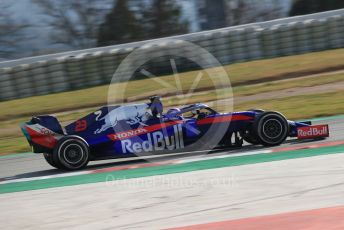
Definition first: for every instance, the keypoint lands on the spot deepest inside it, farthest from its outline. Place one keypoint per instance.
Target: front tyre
(72, 153)
(271, 128)
(249, 136)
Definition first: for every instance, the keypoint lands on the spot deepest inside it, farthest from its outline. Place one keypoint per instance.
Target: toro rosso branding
(312, 131)
(155, 141)
(42, 135)
(134, 114)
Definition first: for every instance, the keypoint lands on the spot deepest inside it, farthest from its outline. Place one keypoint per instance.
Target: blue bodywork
(130, 130)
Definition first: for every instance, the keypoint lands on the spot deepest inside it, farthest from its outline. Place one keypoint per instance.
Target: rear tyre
(49, 159)
(72, 153)
(271, 128)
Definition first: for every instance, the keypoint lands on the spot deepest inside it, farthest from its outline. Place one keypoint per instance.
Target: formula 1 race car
(141, 129)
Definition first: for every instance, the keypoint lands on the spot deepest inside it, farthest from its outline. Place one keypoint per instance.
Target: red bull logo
(312, 131)
(156, 141)
(133, 114)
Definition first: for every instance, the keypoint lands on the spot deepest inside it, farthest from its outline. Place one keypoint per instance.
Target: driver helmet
(173, 111)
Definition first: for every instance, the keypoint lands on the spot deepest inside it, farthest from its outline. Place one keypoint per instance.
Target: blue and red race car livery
(141, 129)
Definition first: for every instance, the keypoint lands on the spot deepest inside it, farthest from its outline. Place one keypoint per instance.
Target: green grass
(14, 145)
(275, 86)
(286, 66)
(300, 107)
(258, 88)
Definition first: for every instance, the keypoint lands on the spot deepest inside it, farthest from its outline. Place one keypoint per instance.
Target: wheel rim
(272, 128)
(73, 154)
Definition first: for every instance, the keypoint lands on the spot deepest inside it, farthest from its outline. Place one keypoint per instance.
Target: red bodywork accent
(313, 131)
(80, 125)
(224, 119)
(46, 139)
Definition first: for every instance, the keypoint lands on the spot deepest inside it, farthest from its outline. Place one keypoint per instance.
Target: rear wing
(42, 133)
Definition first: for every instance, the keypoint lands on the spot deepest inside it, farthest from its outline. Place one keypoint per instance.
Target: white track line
(46, 177)
(227, 156)
(91, 171)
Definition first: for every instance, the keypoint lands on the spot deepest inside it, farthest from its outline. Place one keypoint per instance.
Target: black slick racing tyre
(248, 134)
(271, 128)
(50, 160)
(72, 153)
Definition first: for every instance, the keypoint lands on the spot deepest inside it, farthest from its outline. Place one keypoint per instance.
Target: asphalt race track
(34, 165)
